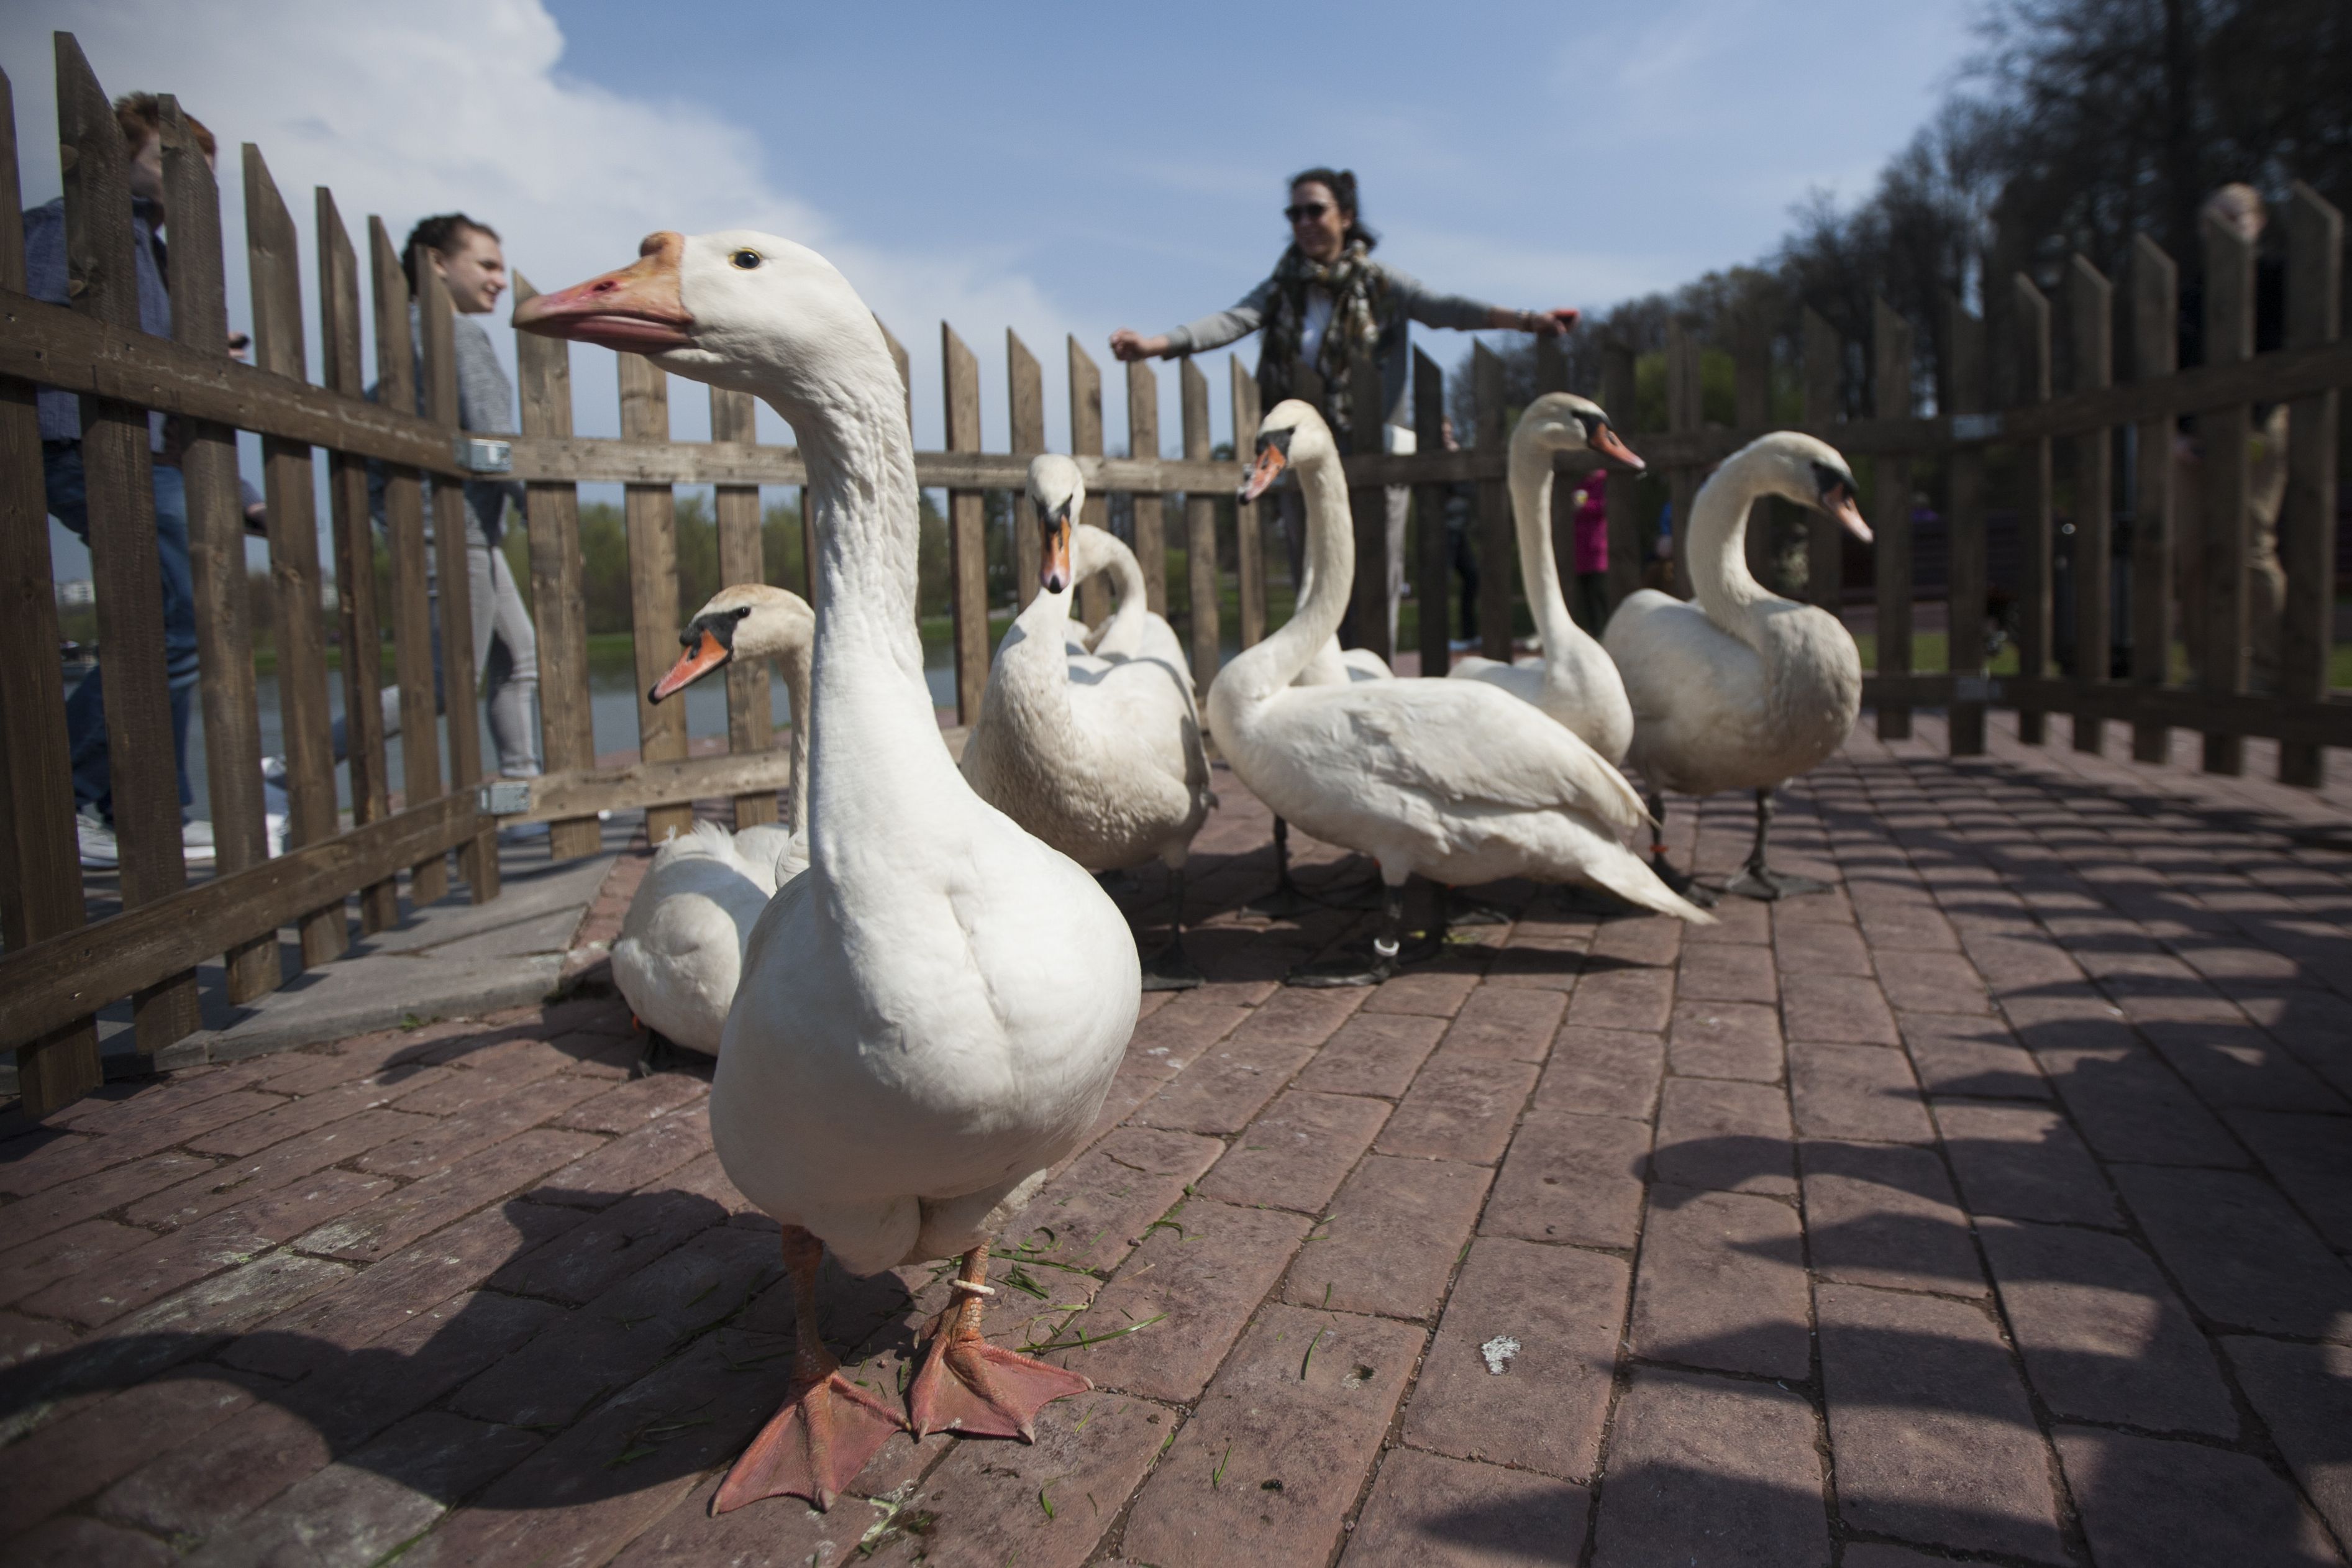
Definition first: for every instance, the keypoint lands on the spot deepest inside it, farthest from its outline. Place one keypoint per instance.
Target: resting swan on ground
(930, 1014)
(1446, 779)
(1572, 679)
(1744, 689)
(681, 950)
(1100, 757)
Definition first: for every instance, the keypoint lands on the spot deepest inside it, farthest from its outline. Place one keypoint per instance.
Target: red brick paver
(1992, 1206)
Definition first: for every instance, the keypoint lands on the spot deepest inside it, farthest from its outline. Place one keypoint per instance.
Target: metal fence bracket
(506, 797)
(480, 455)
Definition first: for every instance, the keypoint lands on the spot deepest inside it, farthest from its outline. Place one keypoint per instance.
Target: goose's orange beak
(701, 658)
(636, 308)
(1609, 444)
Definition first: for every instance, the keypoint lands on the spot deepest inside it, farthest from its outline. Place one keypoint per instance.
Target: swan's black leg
(1687, 886)
(1171, 968)
(1286, 902)
(1758, 880)
(1383, 958)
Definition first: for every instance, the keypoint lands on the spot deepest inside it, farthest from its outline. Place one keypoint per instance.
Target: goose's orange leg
(980, 1390)
(813, 1446)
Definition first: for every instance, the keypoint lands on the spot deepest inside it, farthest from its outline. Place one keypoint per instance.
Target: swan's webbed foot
(1463, 911)
(1388, 953)
(1758, 880)
(659, 1056)
(968, 1386)
(1576, 898)
(825, 1433)
(1688, 887)
(1172, 969)
(1286, 902)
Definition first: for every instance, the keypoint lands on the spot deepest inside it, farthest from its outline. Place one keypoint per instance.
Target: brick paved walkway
(1997, 1205)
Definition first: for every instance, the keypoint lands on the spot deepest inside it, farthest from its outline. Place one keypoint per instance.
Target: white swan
(1743, 689)
(681, 950)
(1099, 756)
(1449, 779)
(1572, 679)
(930, 1014)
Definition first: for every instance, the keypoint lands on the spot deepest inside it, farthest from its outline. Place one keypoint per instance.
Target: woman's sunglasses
(1311, 210)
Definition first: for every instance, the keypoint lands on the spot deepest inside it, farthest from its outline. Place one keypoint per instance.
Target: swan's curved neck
(873, 748)
(1033, 669)
(1729, 593)
(1531, 489)
(1122, 635)
(1329, 577)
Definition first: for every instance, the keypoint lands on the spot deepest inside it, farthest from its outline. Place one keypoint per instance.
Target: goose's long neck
(1330, 574)
(794, 662)
(1725, 588)
(1531, 487)
(874, 747)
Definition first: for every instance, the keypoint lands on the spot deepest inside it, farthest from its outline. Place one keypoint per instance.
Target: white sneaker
(98, 852)
(196, 842)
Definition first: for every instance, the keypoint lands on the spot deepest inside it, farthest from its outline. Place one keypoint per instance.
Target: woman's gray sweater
(1407, 299)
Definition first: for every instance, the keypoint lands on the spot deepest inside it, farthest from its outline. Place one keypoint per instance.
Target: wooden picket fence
(58, 968)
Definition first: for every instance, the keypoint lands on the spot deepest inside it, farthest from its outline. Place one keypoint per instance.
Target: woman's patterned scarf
(1358, 289)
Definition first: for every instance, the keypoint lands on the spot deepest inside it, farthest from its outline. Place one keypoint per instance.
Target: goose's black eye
(743, 614)
(746, 259)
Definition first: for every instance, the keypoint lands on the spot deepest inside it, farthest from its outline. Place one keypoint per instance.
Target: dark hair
(141, 116)
(1342, 183)
(444, 232)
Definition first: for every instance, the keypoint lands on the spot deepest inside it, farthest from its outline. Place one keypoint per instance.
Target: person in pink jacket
(1588, 598)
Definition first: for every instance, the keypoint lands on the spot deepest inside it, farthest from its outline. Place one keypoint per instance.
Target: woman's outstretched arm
(1211, 332)
(1434, 310)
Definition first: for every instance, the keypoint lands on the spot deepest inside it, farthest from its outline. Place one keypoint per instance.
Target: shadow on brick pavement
(1990, 1205)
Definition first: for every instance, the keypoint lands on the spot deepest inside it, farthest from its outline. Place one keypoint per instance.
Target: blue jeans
(85, 706)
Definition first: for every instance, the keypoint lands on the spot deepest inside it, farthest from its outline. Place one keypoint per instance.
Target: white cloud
(432, 105)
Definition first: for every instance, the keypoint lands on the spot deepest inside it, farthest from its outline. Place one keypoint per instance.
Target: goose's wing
(1466, 744)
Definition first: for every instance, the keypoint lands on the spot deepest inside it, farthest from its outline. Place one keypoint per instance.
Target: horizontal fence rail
(2050, 443)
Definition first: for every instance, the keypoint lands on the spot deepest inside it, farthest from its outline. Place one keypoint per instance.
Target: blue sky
(1057, 169)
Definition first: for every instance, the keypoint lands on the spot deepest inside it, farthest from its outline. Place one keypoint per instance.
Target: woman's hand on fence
(1552, 323)
(1127, 344)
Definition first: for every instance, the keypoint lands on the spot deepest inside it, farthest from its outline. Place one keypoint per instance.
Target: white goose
(1099, 756)
(1449, 779)
(929, 1015)
(1743, 689)
(1572, 679)
(680, 951)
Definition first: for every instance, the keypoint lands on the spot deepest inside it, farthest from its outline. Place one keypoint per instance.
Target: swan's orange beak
(1609, 444)
(1261, 475)
(1055, 573)
(1839, 503)
(636, 308)
(702, 655)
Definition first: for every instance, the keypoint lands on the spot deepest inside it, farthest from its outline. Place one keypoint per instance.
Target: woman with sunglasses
(1327, 301)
